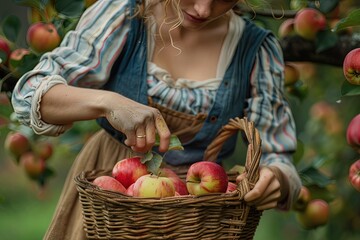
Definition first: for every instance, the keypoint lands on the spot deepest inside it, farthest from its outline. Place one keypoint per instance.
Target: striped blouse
(86, 55)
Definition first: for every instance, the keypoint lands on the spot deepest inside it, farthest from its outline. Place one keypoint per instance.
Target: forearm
(63, 104)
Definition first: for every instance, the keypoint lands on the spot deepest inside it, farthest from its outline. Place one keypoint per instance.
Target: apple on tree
(5, 51)
(303, 199)
(33, 165)
(128, 170)
(42, 37)
(354, 175)
(152, 186)
(291, 74)
(308, 22)
(353, 133)
(17, 143)
(180, 186)
(16, 57)
(314, 215)
(286, 28)
(109, 183)
(351, 66)
(206, 177)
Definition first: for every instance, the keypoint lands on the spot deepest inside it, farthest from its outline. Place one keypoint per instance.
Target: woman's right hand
(139, 123)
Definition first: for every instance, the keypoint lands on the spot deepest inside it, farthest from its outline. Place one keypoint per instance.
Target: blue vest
(128, 78)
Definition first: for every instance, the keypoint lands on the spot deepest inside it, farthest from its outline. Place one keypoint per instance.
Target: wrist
(284, 183)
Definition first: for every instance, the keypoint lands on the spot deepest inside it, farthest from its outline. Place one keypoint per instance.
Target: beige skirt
(101, 152)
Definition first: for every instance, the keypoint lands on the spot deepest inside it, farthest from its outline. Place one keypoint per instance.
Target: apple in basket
(231, 187)
(206, 177)
(152, 186)
(109, 183)
(180, 186)
(128, 170)
(130, 190)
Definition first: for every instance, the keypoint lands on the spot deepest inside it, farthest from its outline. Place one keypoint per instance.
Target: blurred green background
(26, 208)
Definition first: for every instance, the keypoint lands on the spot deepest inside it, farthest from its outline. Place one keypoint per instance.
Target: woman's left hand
(266, 192)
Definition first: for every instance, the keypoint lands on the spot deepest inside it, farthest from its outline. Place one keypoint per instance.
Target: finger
(130, 139)
(266, 206)
(163, 131)
(272, 192)
(140, 140)
(267, 198)
(150, 136)
(260, 187)
(240, 177)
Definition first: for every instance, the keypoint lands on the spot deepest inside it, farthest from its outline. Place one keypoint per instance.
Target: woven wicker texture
(111, 215)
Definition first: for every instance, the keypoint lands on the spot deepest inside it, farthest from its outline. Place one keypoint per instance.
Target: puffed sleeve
(271, 113)
(84, 59)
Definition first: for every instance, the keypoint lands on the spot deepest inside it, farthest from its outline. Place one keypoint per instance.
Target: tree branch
(297, 49)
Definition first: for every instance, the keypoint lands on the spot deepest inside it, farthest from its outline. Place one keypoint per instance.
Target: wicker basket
(111, 215)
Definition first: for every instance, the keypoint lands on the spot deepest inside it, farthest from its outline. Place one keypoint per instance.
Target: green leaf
(175, 143)
(11, 27)
(324, 6)
(312, 176)
(27, 63)
(353, 19)
(325, 40)
(28, 3)
(153, 161)
(3, 56)
(70, 8)
(348, 89)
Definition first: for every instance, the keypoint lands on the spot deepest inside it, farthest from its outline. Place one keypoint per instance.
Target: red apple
(152, 186)
(351, 66)
(4, 51)
(17, 143)
(15, 58)
(33, 165)
(43, 37)
(291, 74)
(128, 170)
(354, 175)
(286, 28)
(180, 186)
(130, 190)
(308, 22)
(44, 149)
(231, 187)
(315, 214)
(353, 133)
(303, 199)
(206, 177)
(109, 183)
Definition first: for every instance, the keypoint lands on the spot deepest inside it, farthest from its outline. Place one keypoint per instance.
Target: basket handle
(253, 149)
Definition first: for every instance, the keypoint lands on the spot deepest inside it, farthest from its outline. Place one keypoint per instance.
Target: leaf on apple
(153, 161)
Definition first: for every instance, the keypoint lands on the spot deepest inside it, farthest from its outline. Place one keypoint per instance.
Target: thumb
(240, 177)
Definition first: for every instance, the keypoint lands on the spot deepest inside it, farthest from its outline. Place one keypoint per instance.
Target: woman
(181, 67)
